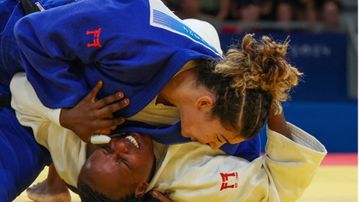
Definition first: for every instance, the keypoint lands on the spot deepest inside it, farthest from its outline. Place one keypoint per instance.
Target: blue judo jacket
(133, 46)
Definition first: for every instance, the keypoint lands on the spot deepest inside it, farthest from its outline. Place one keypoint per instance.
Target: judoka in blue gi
(135, 47)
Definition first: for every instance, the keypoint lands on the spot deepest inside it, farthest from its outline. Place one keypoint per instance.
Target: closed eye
(223, 139)
(123, 161)
(219, 140)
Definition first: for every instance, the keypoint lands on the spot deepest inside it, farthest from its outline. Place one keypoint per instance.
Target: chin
(185, 134)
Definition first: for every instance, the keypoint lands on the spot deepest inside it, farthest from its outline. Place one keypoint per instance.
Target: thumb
(158, 195)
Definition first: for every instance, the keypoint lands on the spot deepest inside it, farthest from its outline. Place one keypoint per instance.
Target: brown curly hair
(250, 79)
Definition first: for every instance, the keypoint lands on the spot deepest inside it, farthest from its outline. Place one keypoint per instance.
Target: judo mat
(336, 180)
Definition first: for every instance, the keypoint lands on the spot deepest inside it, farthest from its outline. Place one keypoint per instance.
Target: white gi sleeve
(24, 101)
(68, 152)
(194, 172)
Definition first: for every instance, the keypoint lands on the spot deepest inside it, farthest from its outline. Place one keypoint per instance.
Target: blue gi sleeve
(57, 44)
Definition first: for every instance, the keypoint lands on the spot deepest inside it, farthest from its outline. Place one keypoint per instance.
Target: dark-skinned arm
(277, 123)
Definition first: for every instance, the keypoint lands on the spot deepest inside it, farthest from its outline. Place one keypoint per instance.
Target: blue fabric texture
(21, 158)
(9, 52)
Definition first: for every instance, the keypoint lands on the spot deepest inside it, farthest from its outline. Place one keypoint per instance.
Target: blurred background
(324, 38)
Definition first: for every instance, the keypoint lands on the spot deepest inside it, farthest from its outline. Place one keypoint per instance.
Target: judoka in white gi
(190, 171)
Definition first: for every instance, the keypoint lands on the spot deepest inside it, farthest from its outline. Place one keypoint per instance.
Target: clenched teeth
(133, 141)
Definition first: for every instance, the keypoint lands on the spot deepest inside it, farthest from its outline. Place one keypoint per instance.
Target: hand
(92, 116)
(161, 197)
(277, 122)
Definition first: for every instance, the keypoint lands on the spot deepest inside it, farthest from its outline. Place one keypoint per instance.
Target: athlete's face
(198, 124)
(121, 167)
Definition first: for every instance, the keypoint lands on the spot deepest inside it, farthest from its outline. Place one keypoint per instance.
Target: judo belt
(30, 7)
(5, 101)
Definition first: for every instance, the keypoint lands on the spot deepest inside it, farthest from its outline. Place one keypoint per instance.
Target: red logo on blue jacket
(96, 38)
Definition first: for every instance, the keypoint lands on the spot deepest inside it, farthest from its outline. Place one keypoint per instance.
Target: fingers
(111, 123)
(158, 195)
(93, 93)
(100, 112)
(109, 99)
(105, 131)
(107, 111)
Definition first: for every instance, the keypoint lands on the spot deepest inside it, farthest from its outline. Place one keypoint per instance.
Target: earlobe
(141, 189)
(205, 103)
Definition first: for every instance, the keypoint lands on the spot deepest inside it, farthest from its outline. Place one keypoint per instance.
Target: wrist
(64, 118)
(277, 122)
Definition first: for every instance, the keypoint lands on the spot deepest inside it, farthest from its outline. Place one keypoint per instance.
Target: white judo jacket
(195, 172)
(191, 171)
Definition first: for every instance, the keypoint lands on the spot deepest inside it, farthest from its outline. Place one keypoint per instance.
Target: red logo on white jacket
(229, 180)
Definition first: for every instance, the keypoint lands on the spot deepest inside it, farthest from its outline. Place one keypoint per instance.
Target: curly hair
(250, 79)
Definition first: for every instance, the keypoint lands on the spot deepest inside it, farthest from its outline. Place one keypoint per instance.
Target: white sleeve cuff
(301, 145)
(54, 115)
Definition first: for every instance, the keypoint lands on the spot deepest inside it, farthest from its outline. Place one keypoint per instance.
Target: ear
(205, 103)
(141, 189)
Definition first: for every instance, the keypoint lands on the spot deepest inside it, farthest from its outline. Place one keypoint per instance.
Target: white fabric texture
(192, 172)
(67, 151)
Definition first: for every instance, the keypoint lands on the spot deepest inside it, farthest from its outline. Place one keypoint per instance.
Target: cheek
(142, 166)
(211, 135)
(202, 132)
(141, 159)
(103, 169)
(195, 124)
(187, 122)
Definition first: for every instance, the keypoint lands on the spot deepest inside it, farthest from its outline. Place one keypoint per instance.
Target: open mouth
(133, 141)
(131, 137)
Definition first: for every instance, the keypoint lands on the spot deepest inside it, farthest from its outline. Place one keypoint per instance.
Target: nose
(185, 135)
(119, 147)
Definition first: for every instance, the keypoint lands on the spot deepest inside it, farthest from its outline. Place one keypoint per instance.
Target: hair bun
(260, 65)
(271, 48)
